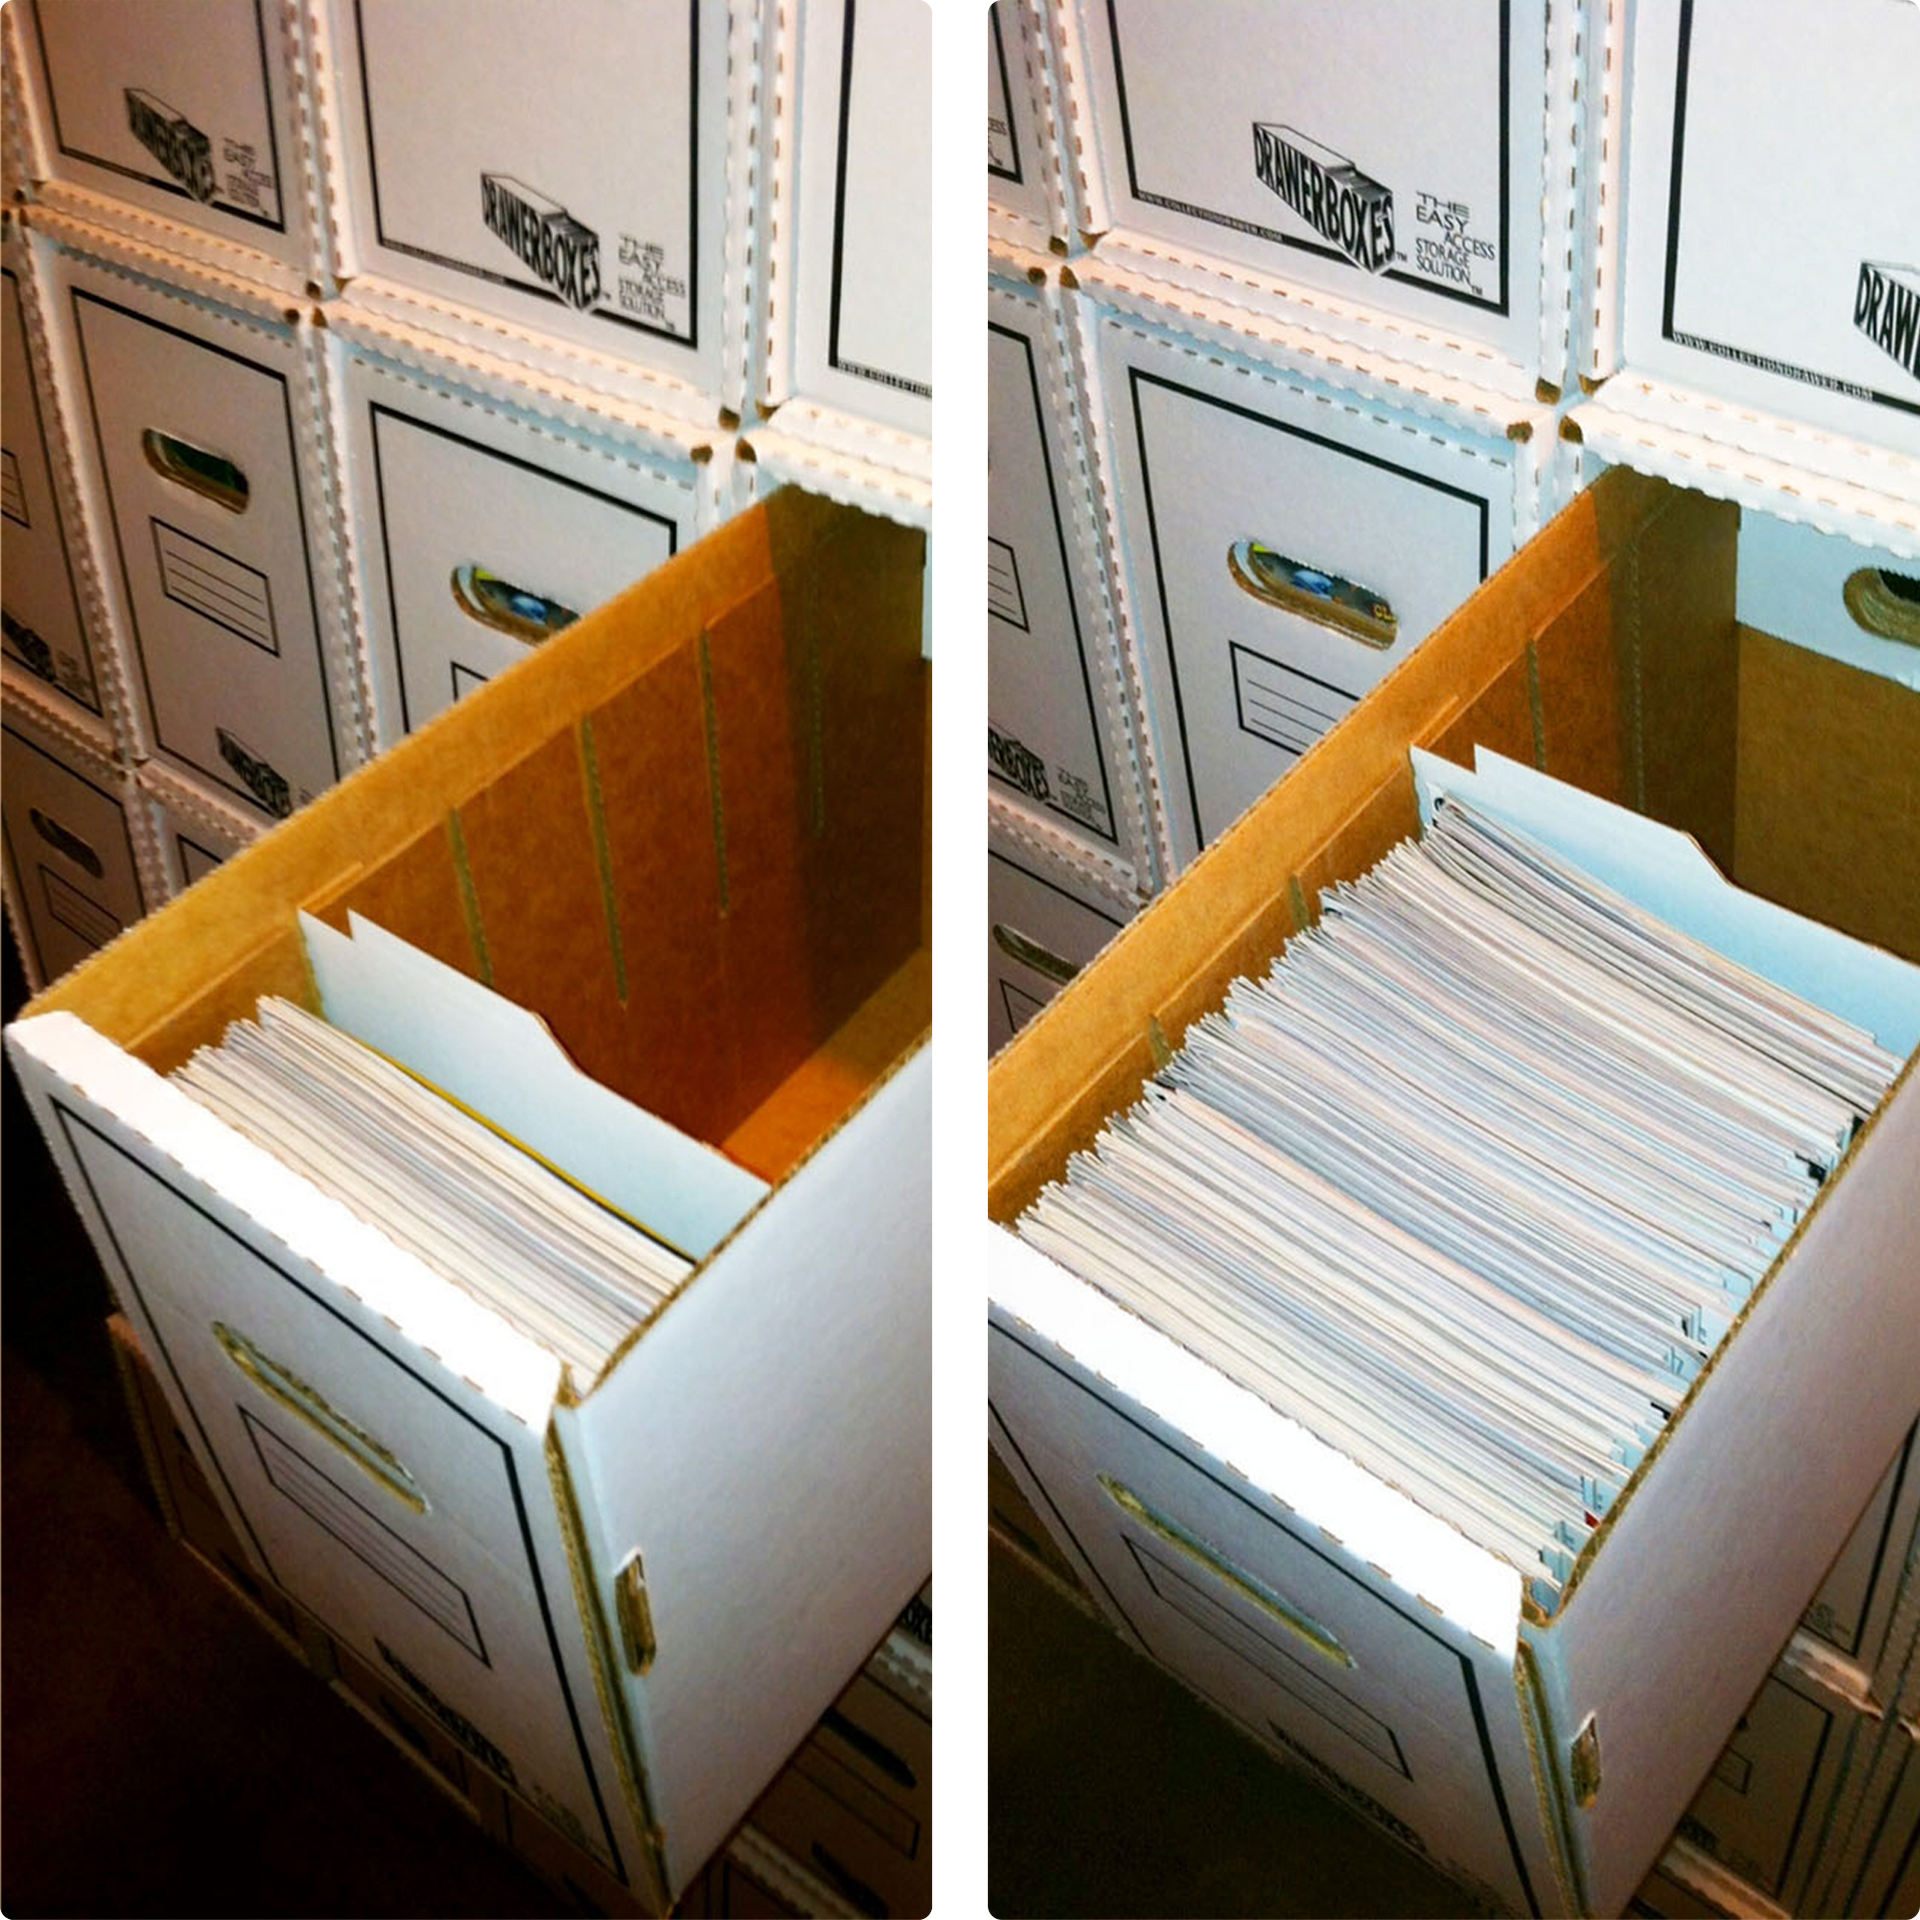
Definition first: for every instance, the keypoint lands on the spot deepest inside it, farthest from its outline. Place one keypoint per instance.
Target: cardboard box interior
(1611, 659)
(698, 852)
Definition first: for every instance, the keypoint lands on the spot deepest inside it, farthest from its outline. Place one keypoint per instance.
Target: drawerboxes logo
(1328, 192)
(173, 140)
(266, 786)
(1020, 764)
(565, 254)
(1886, 308)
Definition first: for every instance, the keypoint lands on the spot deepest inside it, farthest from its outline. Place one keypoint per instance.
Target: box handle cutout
(1301, 1625)
(211, 475)
(515, 611)
(293, 1393)
(875, 1752)
(1030, 953)
(635, 1613)
(1885, 603)
(1327, 599)
(1585, 1763)
(64, 840)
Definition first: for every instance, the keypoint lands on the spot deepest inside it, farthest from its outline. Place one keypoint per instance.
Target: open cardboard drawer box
(1543, 1760)
(691, 834)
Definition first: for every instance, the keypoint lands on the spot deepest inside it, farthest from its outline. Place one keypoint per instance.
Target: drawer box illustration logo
(1019, 764)
(262, 781)
(1338, 201)
(1886, 308)
(173, 140)
(563, 252)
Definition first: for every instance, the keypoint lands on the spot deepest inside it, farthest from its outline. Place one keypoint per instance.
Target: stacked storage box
(364, 348)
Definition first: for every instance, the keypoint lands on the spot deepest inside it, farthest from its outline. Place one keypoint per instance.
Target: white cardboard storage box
(1205, 454)
(1757, 289)
(1877, 1870)
(80, 866)
(569, 178)
(46, 579)
(847, 308)
(717, 1530)
(194, 830)
(1059, 733)
(1854, 1609)
(1046, 918)
(1398, 175)
(1026, 185)
(1541, 1759)
(480, 521)
(200, 443)
(192, 118)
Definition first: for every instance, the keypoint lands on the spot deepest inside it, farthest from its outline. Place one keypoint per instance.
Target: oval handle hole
(302, 1400)
(65, 840)
(517, 612)
(1885, 603)
(211, 475)
(876, 1751)
(1030, 953)
(1327, 599)
(1301, 1625)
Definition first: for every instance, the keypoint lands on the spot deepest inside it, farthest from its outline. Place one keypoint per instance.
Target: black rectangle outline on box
(375, 413)
(69, 1119)
(255, 1427)
(899, 381)
(1679, 336)
(1469, 1678)
(1006, 93)
(59, 516)
(1135, 379)
(164, 182)
(1019, 594)
(113, 514)
(1112, 837)
(456, 669)
(47, 879)
(181, 844)
(1239, 706)
(1827, 1714)
(691, 338)
(1884, 1904)
(813, 1749)
(20, 519)
(1007, 992)
(1880, 1556)
(1072, 899)
(1238, 225)
(1143, 1560)
(192, 606)
(133, 864)
(17, 908)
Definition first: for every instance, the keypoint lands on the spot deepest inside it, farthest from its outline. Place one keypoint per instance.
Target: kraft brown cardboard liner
(1829, 799)
(670, 930)
(1606, 653)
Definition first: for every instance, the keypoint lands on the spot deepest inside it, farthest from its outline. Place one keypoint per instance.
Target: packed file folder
(439, 1112)
(1475, 1180)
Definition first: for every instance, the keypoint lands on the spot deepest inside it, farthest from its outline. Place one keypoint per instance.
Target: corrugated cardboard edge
(1025, 40)
(1011, 283)
(1601, 207)
(807, 446)
(174, 797)
(22, 145)
(777, 207)
(127, 1359)
(85, 549)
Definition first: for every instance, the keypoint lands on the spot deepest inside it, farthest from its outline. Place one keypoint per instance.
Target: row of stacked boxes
(308, 434)
(1289, 408)
(312, 427)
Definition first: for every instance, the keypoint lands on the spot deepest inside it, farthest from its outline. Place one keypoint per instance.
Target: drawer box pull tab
(517, 612)
(635, 1614)
(211, 475)
(1030, 953)
(293, 1393)
(1301, 1625)
(1327, 599)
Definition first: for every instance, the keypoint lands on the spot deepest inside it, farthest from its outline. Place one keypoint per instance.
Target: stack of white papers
(1475, 1180)
(453, 1122)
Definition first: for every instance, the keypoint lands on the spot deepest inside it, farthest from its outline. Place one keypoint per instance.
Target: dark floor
(161, 1753)
(1113, 1791)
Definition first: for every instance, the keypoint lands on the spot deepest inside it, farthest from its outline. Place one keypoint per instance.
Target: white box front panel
(1035, 929)
(564, 166)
